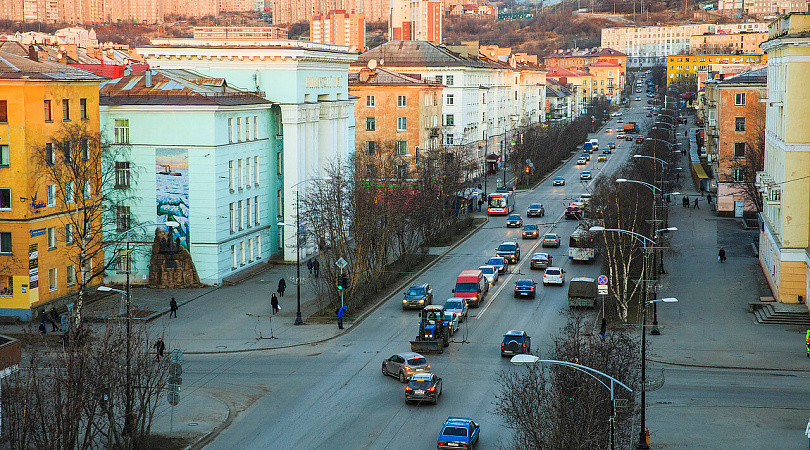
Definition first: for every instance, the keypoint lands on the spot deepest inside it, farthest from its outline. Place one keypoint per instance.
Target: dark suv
(516, 342)
(418, 296)
(510, 251)
(573, 212)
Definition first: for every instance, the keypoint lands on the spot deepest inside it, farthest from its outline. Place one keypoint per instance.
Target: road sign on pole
(602, 289)
(602, 279)
(341, 263)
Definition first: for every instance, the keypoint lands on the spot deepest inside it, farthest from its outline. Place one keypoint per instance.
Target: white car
(490, 273)
(616, 114)
(554, 275)
(452, 322)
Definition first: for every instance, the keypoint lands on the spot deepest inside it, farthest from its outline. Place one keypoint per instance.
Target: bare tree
(743, 168)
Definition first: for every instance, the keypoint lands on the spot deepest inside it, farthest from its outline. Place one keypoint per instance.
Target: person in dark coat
(274, 303)
(173, 308)
(340, 312)
(43, 322)
(54, 319)
(316, 266)
(309, 266)
(160, 347)
(685, 201)
(282, 286)
(721, 255)
(709, 198)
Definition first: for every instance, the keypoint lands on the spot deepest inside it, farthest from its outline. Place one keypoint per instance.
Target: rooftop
(759, 76)
(14, 66)
(420, 54)
(383, 77)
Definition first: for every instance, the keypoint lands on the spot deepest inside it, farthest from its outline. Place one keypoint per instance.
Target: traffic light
(343, 282)
(527, 169)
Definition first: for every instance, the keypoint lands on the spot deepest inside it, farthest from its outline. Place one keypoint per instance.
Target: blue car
(458, 432)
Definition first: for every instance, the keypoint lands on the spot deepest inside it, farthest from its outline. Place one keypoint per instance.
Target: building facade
(38, 252)
(340, 28)
(765, 9)
(784, 184)
(747, 43)
(416, 20)
(680, 67)
(309, 82)
(249, 33)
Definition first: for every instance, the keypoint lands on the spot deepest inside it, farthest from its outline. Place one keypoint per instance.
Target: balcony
(774, 196)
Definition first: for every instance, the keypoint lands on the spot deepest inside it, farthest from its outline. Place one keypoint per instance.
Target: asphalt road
(333, 395)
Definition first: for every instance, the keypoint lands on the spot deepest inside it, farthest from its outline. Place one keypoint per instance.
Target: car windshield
(530, 228)
(497, 202)
(550, 236)
(559, 178)
(552, 272)
(455, 431)
(453, 304)
(506, 248)
(487, 270)
(416, 291)
(524, 282)
(495, 262)
(467, 287)
(417, 361)
(514, 217)
(535, 206)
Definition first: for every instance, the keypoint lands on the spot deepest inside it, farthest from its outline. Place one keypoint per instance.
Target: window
(122, 174)
(483, 117)
(255, 127)
(449, 120)
(85, 149)
(5, 242)
(449, 99)
(449, 80)
(370, 124)
(86, 189)
(4, 157)
(242, 252)
(47, 105)
(279, 204)
(50, 192)
(255, 170)
(258, 247)
(739, 124)
(51, 238)
(249, 172)
(402, 123)
(52, 280)
(70, 275)
(241, 175)
(239, 129)
(248, 206)
(739, 175)
(247, 128)
(240, 215)
(121, 218)
(448, 139)
(50, 159)
(122, 131)
(67, 151)
(739, 99)
(122, 261)
(739, 149)
(401, 101)
(233, 257)
(230, 130)
(256, 208)
(69, 192)
(370, 147)
(402, 171)
(5, 198)
(250, 250)
(439, 79)
(401, 148)
(68, 233)
(66, 110)
(369, 100)
(233, 217)
(231, 178)
(279, 164)
(83, 108)
(4, 111)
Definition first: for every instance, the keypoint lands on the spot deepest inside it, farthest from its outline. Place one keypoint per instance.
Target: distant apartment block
(236, 33)
(416, 20)
(728, 43)
(649, 46)
(681, 67)
(486, 11)
(341, 28)
(292, 11)
(766, 9)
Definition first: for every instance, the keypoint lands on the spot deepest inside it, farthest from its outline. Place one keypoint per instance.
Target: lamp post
(590, 371)
(128, 296)
(642, 440)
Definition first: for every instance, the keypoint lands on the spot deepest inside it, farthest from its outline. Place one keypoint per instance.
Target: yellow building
(37, 99)
(728, 42)
(784, 182)
(681, 67)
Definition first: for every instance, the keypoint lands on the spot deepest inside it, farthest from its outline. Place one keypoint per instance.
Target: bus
(500, 203)
(582, 245)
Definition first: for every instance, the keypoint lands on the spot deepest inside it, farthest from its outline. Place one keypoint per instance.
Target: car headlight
(422, 301)
(405, 301)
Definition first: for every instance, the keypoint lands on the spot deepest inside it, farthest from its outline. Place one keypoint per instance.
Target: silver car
(452, 322)
(405, 365)
(490, 273)
(457, 306)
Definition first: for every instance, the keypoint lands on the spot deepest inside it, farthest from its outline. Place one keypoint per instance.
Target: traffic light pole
(341, 291)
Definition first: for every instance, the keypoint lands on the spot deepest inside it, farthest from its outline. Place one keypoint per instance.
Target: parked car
(405, 365)
(514, 220)
(456, 306)
(551, 240)
(572, 212)
(499, 263)
(525, 287)
(535, 210)
(558, 181)
(490, 273)
(516, 342)
(554, 275)
(458, 432)
(418, 296)
(585, 175)
(424, 387)
(581, 161)
(540, 260)
(509, 250)
(601, 158)
(530, 232)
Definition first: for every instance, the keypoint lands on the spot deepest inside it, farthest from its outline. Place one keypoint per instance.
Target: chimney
(128, 69)
(148, 74)
(33, 55)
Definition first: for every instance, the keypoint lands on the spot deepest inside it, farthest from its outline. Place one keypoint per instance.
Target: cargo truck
(582, 292)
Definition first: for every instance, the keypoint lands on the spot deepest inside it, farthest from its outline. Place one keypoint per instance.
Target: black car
(530, 232)
(525, 288)
(514, 220)
(418, 296)
(535, 210)
(510, 251)
(573, 212)
(423, 387)
(516, 342)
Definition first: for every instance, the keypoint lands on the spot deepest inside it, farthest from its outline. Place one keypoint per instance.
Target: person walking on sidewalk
(43, 322)
(340, 312)
(160, 347)
(721, 255)
(54, 319)
(309, 265)
(709, 198)
(173, 308)
(282, 286)
(274, 303)
(685, 201)
(316, 267)
(696, 204)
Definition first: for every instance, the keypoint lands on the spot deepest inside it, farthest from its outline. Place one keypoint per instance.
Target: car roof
(553, 268)
(418, 285)
(535, 204)
(586, 171)
(514, 333)
(463, 421)
(531, 225)
(542, 255)
(409, 355)
(486, 266)
(453, 299)
(496, 257)
(509, 242)
(524, 280)
(422, 376)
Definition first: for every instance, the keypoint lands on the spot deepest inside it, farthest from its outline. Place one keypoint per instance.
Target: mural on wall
(171, 174)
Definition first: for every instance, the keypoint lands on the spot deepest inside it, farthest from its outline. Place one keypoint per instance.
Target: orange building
(416, 20)
(341, 28)
(37, 243)
(396, 113)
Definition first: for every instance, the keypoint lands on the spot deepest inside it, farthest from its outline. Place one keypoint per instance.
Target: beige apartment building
(292, 11)
(340, 28)
(766, 9)
(746, 42)
(236, 33)
(784, 182)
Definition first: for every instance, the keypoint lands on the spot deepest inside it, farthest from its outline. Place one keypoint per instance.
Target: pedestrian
(677, 177)
(721, 255)
(54, 319)
(282, 285)
(43, 322)
(696, 204)
(702, 188)
(340, 312)
(309, 265)
(603, 329)
(274, 303)
(173, 308)
(316, 266)
(160, 347)
(480, 203)
(685, 201)
(709, 198)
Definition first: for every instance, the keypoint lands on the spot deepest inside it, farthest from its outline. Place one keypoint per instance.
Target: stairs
(781, 314)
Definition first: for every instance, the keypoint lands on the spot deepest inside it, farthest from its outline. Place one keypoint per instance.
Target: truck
(434, 331)
(630, 127)
(582, 292)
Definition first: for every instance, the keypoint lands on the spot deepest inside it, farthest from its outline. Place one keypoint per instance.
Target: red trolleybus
(500, 203)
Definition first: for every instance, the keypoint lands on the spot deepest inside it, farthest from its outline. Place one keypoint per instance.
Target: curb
(710, 366)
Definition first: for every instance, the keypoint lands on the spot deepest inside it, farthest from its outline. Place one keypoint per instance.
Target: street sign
(176, 380)
(173, 398)
(602, 289)
(175, 370)
(176, 357)
(602, 279)
(341, 263)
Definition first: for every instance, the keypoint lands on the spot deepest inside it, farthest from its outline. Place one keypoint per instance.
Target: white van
(595, 144)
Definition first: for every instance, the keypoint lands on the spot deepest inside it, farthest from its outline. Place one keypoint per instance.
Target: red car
(639, 139)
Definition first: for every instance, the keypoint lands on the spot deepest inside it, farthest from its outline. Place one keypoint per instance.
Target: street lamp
(590, 371)
(670, 144)
(128, 295)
